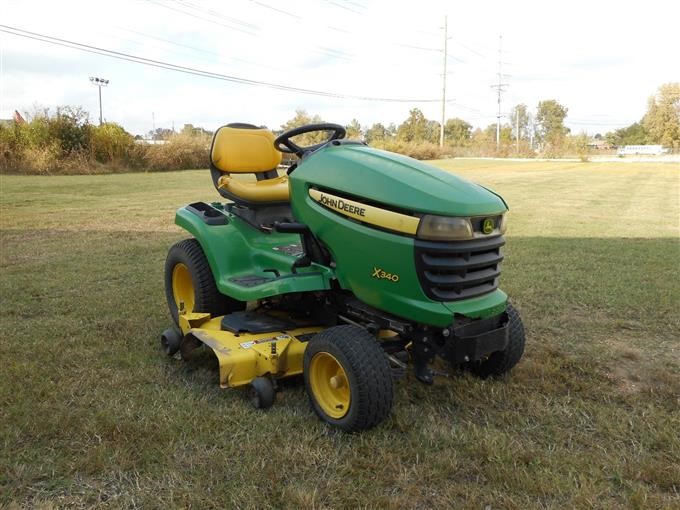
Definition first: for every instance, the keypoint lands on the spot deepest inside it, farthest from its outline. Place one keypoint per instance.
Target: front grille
(454, 270)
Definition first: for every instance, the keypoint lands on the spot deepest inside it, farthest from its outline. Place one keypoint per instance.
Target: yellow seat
(246, 149)
(268, 190)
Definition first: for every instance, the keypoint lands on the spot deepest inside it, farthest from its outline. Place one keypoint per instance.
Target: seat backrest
(242, 148)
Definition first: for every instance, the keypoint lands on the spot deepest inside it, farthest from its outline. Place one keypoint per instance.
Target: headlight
(444, 228)
(504, 223)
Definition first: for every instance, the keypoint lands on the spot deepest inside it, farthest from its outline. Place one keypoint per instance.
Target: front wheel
(500, 362)
(348, 378)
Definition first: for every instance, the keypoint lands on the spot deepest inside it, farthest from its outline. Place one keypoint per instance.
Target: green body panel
(238, 250)
(393, 179)
(358, 251)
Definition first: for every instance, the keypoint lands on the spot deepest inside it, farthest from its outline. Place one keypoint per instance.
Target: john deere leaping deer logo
(488, 225)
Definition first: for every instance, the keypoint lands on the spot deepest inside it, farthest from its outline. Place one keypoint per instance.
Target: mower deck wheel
(348, 378)
(261, 393)
(171, 339)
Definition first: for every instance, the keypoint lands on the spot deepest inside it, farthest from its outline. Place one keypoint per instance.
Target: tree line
(525, 133)
(64, 141)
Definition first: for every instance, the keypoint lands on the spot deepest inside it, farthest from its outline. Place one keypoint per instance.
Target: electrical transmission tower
(500, 87)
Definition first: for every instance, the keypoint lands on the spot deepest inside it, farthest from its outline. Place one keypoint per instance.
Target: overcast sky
(601, 60)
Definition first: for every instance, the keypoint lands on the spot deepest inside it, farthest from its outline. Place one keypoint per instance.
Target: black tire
(501, 362)
(368, 374)
(261, 393)
(171, 339)
(206, 296)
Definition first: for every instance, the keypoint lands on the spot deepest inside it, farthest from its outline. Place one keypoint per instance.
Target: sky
(601, 60)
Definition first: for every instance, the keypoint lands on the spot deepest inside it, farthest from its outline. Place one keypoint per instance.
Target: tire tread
(372, 402)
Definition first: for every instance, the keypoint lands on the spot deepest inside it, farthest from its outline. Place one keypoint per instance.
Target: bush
(110, 142)
(66, 143)
(417, 150)
(180, 152)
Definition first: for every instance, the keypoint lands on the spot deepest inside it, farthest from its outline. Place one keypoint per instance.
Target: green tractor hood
(392, 179)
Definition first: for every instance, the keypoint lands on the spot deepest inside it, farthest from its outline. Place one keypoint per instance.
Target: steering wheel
(283, 142)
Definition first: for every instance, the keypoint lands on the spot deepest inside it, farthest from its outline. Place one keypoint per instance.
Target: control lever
(308, 242)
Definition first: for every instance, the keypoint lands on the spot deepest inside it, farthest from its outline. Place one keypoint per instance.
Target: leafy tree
(109, 142)
(432, 131)
(413, 129)
(635, 134)
(302, 118)
(662, 120)
(160, 134)
(519, 117)
(190, 130)
(353, 130)
(550, 127)
(506, 134)
(457, 131)
(70, 128)
(377, 133)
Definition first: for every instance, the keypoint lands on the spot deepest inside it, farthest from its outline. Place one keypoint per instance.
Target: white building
(637, 150)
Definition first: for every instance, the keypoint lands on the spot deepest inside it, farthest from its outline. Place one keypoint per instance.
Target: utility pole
(441, 129)
(517, 128)
(99, 82)
(500, 89)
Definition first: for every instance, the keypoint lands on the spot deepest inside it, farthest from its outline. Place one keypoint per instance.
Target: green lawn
(92, 414)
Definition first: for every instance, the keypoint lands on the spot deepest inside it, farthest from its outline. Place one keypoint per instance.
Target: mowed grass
(93, 415)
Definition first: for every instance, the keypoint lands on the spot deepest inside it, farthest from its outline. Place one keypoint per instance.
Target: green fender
(237, 250)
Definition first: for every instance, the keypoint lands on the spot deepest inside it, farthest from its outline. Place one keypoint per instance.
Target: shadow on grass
(88, 396)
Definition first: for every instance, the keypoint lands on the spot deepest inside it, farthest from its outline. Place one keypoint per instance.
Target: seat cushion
(242, 150)
(269, 190)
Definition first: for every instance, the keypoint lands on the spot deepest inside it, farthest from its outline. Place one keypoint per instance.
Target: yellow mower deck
(246, 356)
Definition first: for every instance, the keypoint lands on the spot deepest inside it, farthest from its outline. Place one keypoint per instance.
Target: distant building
(16, 119)
(641, 150)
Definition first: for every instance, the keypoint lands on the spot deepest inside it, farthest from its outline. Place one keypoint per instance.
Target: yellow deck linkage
(246, 356)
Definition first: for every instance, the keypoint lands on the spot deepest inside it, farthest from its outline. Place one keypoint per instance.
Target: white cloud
(601, 60)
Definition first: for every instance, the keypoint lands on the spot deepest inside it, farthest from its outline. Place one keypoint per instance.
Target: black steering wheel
(283, 142)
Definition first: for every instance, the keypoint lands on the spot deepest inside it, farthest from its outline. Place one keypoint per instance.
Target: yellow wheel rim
(330, 385)
(182, 287)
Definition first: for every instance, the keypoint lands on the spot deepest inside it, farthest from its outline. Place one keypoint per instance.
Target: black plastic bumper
(476, 340)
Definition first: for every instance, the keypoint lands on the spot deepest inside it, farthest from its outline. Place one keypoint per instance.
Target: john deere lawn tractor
(347, 269)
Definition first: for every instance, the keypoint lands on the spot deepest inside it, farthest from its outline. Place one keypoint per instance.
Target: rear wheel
(348, 378)
(500, 362)
(189, 281)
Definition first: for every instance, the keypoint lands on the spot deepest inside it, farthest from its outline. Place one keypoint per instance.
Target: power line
(243, 30)
(267, 6)
(196, 72)
(213, 13)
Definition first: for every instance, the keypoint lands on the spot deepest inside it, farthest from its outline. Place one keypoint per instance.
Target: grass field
(92, 414)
